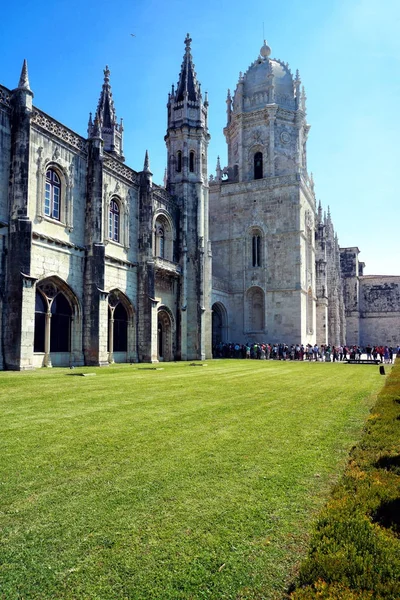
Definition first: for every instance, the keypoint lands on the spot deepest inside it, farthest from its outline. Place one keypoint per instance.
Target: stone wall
(380, 310)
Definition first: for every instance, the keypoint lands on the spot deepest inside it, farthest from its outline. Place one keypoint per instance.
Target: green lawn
(180, 483)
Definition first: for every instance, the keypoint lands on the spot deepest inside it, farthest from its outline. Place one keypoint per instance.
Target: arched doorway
(164, 335)
(219, 324)
(56, 309)
(120, 328)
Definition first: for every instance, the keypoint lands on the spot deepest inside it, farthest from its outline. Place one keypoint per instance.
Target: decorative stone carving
(59, 131)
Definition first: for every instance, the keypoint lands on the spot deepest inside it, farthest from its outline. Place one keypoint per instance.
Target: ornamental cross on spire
(188, 41)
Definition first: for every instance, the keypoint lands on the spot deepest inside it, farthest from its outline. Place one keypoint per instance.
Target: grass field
(181, 483)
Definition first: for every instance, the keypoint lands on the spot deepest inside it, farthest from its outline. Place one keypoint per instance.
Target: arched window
(163, 244)
(60, 330)
(52, 197)
(258, 165)
(256, 250)
(160, 241)
(113, 221)
(179, 161)
(118, 319)
(191, 161)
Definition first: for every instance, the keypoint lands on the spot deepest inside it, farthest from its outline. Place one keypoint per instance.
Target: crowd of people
(323, 353)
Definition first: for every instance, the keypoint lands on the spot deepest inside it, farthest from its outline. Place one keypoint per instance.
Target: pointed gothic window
(52, 195)
(191, 161)
(160, 241)
(179, 161)
(113, 221)
(258, 165)
(256, 250)
(163, 238)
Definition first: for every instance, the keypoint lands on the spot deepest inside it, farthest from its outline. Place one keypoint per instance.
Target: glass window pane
(47, 200)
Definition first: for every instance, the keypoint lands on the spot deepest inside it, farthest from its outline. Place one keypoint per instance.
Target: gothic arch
(58, 326)
(165, 334)
(163, 235)
(121, 327)
(257, 149)
(66, 207)
(123, 206)
(255, 246)
(219, 324)
(255, 310)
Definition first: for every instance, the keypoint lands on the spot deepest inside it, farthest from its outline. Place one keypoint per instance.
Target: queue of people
(323, 353)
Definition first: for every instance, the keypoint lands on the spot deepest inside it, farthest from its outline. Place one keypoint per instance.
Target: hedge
(355, 548)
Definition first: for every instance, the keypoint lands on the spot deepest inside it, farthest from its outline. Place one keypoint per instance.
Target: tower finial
(188, 41)
(24, 79)
(265, 51)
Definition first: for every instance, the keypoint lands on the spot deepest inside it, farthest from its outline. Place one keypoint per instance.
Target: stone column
(111, 337)
(154, 330)
(47, 333)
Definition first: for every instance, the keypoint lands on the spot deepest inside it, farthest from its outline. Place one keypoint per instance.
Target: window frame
(52, 195)
(114, 221)
(258, 168)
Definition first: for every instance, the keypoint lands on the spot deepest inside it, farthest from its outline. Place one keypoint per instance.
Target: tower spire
(24, 79)
(188, 87)
(105, 116)
(146, 166)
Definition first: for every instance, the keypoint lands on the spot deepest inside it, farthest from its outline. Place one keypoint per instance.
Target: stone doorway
(164, 336)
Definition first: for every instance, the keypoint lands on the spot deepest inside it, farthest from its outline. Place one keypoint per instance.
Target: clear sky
(347, 52)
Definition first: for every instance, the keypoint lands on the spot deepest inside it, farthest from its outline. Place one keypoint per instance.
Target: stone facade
(99, 264)
(278, 272)
(372, 303)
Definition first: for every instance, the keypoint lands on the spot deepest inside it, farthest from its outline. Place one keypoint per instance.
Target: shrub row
(355, 549)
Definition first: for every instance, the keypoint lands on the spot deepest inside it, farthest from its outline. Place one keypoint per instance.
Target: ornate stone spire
(188, 88)
(319, 212)
(105, 108)
(24, 79)
(146, 166)
(106, 120)
(218, 170)
(229, 106)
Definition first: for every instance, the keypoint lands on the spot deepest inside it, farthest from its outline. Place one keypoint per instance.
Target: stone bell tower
(262, 211)
(187, 142)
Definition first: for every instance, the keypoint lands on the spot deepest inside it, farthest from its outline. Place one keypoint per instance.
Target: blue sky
(347, 52)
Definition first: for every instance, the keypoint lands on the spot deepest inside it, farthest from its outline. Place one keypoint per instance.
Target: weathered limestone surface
(149, 273)
(95, 262)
